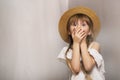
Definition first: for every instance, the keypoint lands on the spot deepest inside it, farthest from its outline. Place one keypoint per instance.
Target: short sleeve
(98, 59)
(61, 55)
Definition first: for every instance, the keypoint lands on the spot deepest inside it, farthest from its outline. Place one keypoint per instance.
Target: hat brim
(78, 10)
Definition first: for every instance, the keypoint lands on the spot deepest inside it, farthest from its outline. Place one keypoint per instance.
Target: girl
(79, 27)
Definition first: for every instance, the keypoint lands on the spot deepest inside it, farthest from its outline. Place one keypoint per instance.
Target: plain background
(30, 42)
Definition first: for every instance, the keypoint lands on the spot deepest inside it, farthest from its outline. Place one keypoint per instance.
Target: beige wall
(29, 40)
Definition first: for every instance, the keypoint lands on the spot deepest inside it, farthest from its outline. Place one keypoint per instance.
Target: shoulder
(65, 52)
(95, 45)
(61, 55)
(65, 48)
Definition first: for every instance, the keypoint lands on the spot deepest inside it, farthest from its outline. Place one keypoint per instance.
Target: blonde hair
(72, 20)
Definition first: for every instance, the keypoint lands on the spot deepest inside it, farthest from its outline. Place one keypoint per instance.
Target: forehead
(77, 18)
(78, 21)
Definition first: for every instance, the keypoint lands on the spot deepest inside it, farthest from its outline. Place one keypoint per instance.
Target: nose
(79, 27)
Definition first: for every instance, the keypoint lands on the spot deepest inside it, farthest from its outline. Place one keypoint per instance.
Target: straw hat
(82, 10)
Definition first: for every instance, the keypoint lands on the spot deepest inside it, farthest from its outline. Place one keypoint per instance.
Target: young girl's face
(82, 25)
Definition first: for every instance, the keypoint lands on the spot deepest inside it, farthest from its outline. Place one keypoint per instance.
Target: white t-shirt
(97, 72)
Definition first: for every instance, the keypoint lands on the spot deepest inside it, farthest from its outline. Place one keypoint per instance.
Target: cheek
(71, 29)
(86, 30)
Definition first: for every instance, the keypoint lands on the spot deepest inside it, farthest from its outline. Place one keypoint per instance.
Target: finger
(81, 33)
(84, 36)
(78, 29)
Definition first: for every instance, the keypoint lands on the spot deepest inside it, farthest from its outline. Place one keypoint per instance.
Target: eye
(83, 24)
(74, 24)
